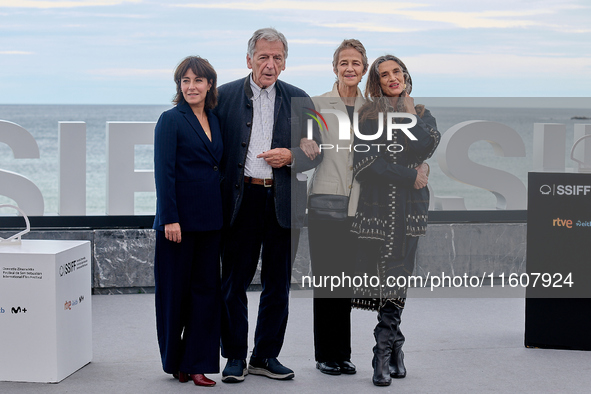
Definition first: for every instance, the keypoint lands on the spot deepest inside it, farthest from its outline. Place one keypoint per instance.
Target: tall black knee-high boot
(397, 368)
(385, 334)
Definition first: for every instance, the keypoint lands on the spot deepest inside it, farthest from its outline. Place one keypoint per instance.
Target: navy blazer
(235, 114)
(187, 171)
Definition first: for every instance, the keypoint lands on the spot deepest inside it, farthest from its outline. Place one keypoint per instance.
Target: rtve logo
(562, 223)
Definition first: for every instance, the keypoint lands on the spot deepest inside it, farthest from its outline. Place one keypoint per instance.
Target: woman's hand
(424, 167)
(310, 148)
(422, 177)
(172, 232)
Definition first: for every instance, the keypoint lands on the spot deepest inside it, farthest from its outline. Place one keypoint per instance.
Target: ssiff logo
(565, 190)
(572, 190)
(67, 268)
(345, 129)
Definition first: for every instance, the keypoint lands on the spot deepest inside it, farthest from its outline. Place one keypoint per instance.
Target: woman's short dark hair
(200, 68)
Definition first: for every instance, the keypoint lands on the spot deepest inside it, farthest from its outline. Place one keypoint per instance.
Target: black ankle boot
(381, 376)
(384, 333)
(397, 368)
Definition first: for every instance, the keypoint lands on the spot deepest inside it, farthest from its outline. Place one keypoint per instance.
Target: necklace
(203, 120)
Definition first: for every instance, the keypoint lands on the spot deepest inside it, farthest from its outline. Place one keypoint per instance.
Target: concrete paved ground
(454, 345)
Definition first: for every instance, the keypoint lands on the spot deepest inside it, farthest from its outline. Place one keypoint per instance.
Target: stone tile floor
(463, 343)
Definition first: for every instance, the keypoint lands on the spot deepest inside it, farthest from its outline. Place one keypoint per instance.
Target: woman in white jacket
(331, 241)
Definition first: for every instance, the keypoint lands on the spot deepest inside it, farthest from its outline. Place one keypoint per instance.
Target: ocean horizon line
(575, 103)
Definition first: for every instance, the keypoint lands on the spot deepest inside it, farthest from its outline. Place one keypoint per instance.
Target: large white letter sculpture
(71, 142)
(582, 151)
(455, 163)
(549, 147)
(123, 180)
(27, 196)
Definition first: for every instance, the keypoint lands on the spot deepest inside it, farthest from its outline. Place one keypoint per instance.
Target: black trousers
(256, 232)
(332, 252)
(188, 301)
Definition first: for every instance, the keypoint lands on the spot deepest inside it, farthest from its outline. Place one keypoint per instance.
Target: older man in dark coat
(264, 197)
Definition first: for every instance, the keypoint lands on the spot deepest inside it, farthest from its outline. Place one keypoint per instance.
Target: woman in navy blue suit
(187, 153)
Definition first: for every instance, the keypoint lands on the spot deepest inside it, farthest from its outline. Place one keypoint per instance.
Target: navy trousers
(188, 302)
(256, 231)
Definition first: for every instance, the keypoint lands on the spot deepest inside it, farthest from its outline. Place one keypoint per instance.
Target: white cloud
(411, 11)
(77, 14)
(349, 6)
(569, 29)
(371, 27)
(15, 53)
(484, 19)
(62, 4)
(502, 65)
(313, 41)
(131, 72)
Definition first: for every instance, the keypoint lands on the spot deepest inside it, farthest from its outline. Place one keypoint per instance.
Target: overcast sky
(124, 52)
